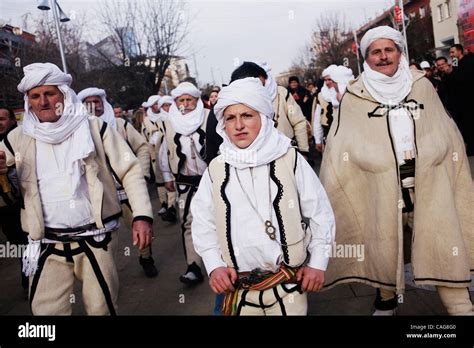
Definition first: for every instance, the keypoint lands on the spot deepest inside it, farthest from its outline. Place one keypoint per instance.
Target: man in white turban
(182, 160)
(336, 78)
(252, 240)
(153, 131)
(64, 162)
(396, 171)
(95, 101)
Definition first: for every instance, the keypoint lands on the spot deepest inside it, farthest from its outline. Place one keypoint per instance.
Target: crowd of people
(235, 169)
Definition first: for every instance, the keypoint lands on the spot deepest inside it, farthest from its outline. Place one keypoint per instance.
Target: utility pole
(404, 29)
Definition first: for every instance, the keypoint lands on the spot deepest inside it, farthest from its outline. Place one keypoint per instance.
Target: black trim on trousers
(191, 192)
(100, 277)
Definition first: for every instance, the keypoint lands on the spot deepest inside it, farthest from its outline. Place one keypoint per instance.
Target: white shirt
(317, 127)
(64, 197)
(192, 166)
(252, 246)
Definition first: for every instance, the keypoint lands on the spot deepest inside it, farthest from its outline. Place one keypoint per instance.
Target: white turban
(165, 100)
(270, 144)
(108, 115)
(151, 100)
(39, 74)
(185, 88)
(270, 84)
(341, 75)
(382, 32)
(328, 70)
(248, 91)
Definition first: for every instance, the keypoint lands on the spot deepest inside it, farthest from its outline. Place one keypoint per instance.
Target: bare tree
(328, 41)
(149, 32)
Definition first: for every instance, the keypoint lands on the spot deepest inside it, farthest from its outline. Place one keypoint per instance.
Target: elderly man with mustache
(395, 169)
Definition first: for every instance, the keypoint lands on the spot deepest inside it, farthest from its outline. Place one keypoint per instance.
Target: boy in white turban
(250, 208)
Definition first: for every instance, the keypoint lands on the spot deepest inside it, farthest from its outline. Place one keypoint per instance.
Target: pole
(357, 51)
(404, 29)
(56, 21)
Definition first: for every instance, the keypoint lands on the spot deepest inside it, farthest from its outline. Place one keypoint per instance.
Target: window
(440, 13)
(422, 12)
(448, 8)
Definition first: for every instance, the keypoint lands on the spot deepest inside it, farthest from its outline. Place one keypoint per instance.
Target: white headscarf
(342, 75)
(329, 94)
(188, 123)
(185, 88)
(270, 144)
(108, 116)
(165, 100)
(382, 32)
(153, 116)
(391, 90)
(270, 84)
(73, 118)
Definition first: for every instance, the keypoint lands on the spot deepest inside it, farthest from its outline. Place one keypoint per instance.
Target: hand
(313, 279)
(305, 99)
(170, 186)
(222, 279)
(3, 163)
(142, 234)
(320, 147)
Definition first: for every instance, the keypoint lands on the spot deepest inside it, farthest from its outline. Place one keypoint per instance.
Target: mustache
(384, 63)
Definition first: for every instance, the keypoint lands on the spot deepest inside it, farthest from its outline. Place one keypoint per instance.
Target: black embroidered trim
(339, 112)
(280, 301)
(187, 205)
(202, 141)
(276, 206)
(227, 217)
(179, 153)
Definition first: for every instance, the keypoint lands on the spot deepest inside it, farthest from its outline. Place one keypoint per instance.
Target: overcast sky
(224, 32)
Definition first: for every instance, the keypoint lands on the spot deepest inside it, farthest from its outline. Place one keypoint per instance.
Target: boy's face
(242, 124)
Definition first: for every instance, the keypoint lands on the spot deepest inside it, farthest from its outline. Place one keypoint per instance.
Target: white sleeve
(317, 128)
(205, 238)
(315, 206)
(163, 162)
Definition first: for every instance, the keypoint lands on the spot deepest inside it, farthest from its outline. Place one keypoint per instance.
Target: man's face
(383, 56)
(242, 124)
(186, 103)
(293, 85)
(94, 105)
(166, 107)
(443, 66)
(155, 108)
(47, 102)
(455, 53)
(118, 112)
(329, 82)
(6, 123)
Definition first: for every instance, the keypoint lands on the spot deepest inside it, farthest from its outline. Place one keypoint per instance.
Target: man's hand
(142, 234)
(222, 279)
(313, 279)
(3, 163)
(320, 147)
(169, 185)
